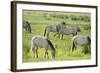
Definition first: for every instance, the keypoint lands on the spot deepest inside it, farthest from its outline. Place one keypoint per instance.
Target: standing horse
(60, 27)
(73, 30)
(42, 42)
(54, 28)
(81, 40)
(27, 26)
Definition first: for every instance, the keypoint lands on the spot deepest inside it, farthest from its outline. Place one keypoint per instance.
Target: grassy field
(39, 20)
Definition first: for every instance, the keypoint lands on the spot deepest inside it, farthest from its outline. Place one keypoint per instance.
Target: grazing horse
(81, 40)
(43, 42)
(73, 30)
(27, 26)
(54, 28)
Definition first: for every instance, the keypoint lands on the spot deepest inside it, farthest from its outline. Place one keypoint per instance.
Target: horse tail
(45, 31)
(89, 39)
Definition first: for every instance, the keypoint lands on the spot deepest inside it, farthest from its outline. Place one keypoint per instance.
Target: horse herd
(60, 30)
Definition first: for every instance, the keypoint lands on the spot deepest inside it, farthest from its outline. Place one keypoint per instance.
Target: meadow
(38, 21)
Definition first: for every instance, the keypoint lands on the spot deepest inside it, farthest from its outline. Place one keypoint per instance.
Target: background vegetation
(39, 19)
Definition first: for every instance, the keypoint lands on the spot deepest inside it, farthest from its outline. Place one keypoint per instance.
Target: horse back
(40, 41)
(81, 40)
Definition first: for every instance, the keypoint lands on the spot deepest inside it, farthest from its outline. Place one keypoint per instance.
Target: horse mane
(51, 45)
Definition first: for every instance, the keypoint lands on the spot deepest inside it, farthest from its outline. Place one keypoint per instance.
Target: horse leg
(48, 35)
(46, 54)
(25, 29)
(33, 49)
(73, 46)
(29, 29)
(55, 34)
(58, 35)
(61, 36)
(36, 51)
(45, 31)
(53, 54)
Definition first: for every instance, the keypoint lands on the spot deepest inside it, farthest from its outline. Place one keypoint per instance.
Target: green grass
(38, 23)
